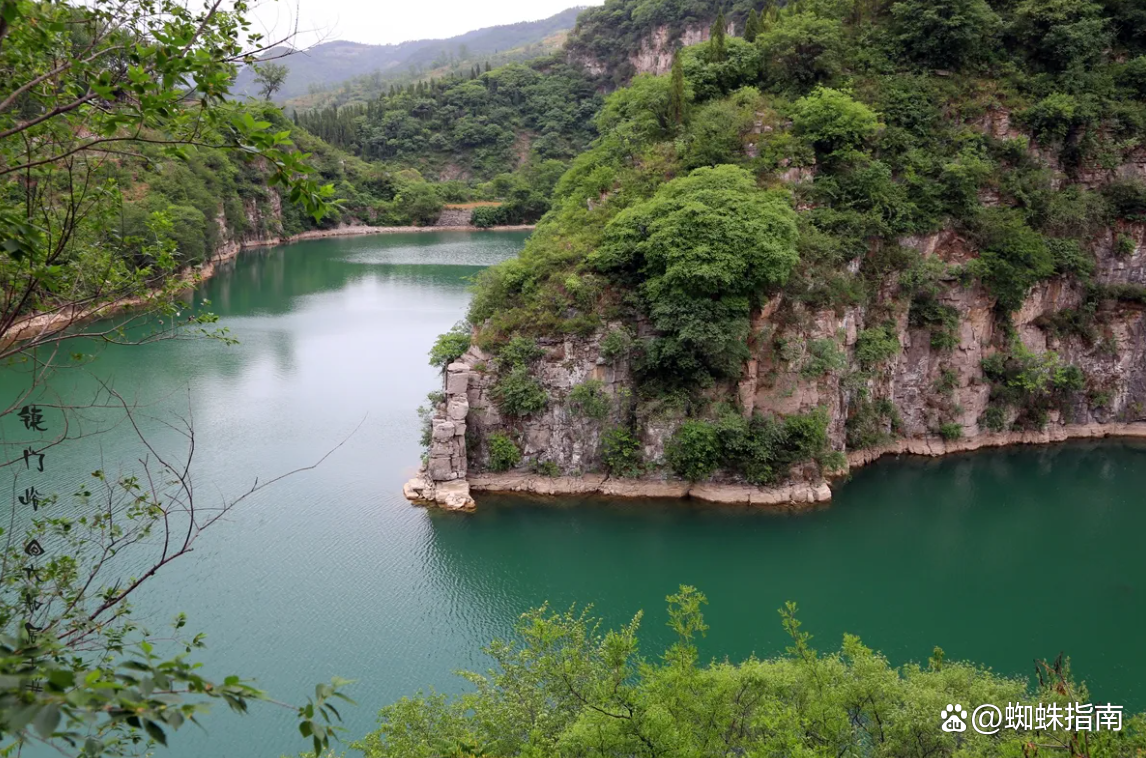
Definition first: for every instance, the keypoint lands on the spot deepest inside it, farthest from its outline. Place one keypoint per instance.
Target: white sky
(382, 22)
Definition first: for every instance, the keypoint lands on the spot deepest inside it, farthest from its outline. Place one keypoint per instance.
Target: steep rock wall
(559, 440)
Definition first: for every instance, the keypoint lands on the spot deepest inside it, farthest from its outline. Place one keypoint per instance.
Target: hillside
(875, 227)
(330, 63)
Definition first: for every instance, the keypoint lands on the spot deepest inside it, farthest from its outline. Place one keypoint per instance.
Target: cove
(998, 557)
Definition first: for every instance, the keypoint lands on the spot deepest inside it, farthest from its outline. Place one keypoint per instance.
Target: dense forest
(473, 126)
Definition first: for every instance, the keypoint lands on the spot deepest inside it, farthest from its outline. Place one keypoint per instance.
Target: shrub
(616, 344)
(939, 319)
(824, 357)
(1052, 118)
(519, 351)
(945, 33)
(621, 453)
(801, 50)
(1124, 246)
(545, 468)
(694, 451)
(517, 393)
(700, 252)
(1032, 382)
(1127, 199)
(951, 431)
(1013, 259)
(994, 418)
(872, 423)
(831, 120)
(503, 452)
(875, 346)
(589, 399)
(451, 345)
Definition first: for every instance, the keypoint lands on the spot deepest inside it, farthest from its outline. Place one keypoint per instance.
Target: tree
(801, 50)
(752, 26)
(701, 252)
(676, 90)
(89, 91)
(945, 33)
(270, 78)
(831, 121)
(716, 37)
(563, 686)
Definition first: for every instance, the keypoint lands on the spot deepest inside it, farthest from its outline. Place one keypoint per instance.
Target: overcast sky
(381, 22)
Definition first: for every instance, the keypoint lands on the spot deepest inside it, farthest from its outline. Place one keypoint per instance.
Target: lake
(998, 557)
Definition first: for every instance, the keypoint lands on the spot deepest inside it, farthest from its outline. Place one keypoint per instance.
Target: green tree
(945, 33)
(832, 121)
(90, 92)
(563, 686)
(752, 26)
(270, 77)
(701, 251)
(716, 37)
(676, 91)
(801, 50)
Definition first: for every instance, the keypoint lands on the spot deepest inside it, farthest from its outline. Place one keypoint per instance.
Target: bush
(693, 452)
(451, 345)
(831, 121)
(621, 453)
(1014, 257)
(872, 423)
(994, 418)
(1032, 382)
(801, 50)
(1127, 199)
(877, 345)
(1052, 118)
(951, 431)
(824, 357)
(700, 251)
(517, 393)
(519, 351)
(945, 33)
(503, 452)
(589, 399)
(616, 344)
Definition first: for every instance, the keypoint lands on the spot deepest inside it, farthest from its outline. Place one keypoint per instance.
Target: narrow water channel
(998, 557)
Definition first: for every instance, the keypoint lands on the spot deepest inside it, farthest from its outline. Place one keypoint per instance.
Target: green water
(998, 557)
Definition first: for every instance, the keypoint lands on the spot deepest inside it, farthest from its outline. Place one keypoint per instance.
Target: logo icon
(954, 718)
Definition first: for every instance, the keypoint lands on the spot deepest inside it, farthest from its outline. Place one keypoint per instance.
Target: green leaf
(155, 732)
(47, 720)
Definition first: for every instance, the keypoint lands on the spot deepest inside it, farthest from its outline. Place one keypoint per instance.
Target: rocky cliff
(933, 398)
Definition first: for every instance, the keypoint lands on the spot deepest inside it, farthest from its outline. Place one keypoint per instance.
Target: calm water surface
(997, 557)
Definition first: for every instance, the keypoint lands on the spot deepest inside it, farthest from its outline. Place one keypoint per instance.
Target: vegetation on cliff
(840, 133)
(563, 687)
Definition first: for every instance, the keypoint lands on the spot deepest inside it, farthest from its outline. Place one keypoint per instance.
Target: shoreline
(792, 495)
(361, 231)
(52, 322)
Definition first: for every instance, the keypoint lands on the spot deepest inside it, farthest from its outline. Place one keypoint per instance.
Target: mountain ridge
(335, 62)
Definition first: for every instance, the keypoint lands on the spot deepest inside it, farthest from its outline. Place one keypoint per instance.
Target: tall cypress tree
(752, 26)
(676, 90)
(717, 37)
(487, 67)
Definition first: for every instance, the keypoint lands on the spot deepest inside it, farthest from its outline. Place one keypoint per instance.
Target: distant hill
(333, 62)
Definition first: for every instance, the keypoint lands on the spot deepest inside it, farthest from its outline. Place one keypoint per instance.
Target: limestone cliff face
(931, 389)
(655, 52)
(561, 442)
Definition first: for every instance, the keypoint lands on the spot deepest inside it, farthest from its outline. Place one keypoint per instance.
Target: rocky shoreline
(456, 495)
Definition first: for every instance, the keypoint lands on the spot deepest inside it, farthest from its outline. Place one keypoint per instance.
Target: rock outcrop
(928, 387)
